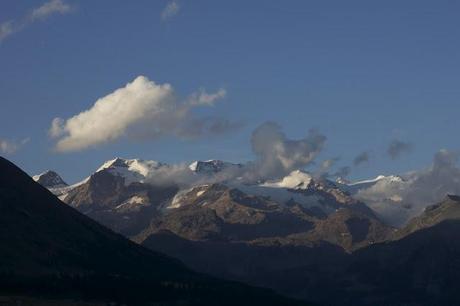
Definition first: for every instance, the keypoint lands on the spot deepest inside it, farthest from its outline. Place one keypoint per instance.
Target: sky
(183, 80)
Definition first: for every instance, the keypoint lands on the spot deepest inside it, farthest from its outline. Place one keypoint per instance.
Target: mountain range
(303, 235)
(54, 255)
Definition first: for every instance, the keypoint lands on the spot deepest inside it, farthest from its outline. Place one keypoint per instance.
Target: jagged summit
(116, 162)
(211, 166)
(49, 179)
(132, 170)
(138, 165)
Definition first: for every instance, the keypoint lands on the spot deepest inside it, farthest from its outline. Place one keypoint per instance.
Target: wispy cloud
(343, 172)
(361, 158)
(52, 7)
(325, 166)
(204, 98)
(397, 147)
(171, 9)
(142, 110)
(6, 29)
(10, 147)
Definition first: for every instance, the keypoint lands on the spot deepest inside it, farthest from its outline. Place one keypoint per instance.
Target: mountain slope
(420, 269)
(49, 249)
(308, 216)
(447, 209)
(125, 208)
(218, 212)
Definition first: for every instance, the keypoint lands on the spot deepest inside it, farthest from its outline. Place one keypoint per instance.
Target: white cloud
(142, 109)
(42, 12)
(277, 155)
(49, 8)
(204, 98)
(10, 147)
(398, 200)
(170, 10)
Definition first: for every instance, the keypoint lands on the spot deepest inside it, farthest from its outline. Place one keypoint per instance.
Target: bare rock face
(221, 213)
(218, 212)
(295, 210)
(124, 208)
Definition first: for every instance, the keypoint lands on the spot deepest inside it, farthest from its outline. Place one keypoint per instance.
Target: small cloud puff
(10, 147)
(171, 9)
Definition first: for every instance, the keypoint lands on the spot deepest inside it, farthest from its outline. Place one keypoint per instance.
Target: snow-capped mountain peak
(389, 178)
(355, 187)
(132, 170)
(49, 179)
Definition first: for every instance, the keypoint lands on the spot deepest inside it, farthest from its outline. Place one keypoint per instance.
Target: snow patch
(133, 201)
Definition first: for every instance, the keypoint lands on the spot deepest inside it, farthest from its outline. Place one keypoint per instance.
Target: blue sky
(361, 72)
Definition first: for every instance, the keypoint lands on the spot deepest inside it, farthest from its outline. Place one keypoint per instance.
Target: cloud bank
(52, 7)
(142, 110)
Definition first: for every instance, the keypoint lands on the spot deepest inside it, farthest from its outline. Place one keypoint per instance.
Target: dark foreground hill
(49, 250)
